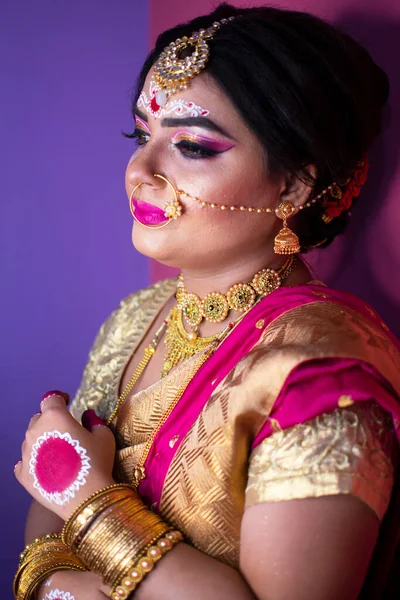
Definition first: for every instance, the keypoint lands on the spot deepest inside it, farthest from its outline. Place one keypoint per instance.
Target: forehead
(204, 91)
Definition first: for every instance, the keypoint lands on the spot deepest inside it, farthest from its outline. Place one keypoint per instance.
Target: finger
(62, 395)
(34, 419)
(91, 421)
(98, 428)
(53, 399)
(18, 470)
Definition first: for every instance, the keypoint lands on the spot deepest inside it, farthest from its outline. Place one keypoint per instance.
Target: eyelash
(188, 149)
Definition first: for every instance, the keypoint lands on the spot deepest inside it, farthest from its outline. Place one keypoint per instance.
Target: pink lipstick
(146, 213)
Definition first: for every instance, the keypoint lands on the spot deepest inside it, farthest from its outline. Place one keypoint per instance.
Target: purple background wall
(67, 259)
(66, 69)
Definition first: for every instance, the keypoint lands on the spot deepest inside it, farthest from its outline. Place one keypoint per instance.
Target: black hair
(311, 94)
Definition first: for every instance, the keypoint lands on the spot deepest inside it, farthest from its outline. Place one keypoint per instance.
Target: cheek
(57, 465)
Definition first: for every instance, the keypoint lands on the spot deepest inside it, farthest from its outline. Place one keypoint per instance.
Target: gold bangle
(80, 510)
(27, 582)
(112, 531)
(142, 567)
(115, 540)
(83, 521)
(29, 548)
(39, 559)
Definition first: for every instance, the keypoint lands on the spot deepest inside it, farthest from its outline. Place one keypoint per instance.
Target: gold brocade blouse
(214, 475)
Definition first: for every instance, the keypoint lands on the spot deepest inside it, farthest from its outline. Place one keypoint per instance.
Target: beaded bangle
(138, 571)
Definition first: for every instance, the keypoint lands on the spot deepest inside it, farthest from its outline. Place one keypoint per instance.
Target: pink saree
(361, 379)
(300, 400)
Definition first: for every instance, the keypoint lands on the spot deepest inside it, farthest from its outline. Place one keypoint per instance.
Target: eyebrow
(203, 122)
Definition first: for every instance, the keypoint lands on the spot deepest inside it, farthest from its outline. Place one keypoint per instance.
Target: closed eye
(141, 137)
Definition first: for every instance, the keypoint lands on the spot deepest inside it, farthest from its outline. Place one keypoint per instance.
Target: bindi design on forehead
(57, 594)
(178, 106)
(59, 466)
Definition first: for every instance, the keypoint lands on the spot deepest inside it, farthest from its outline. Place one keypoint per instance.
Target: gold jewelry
(30, 548)
(121, 540)
(139, 471)
(144, 565)
(39, 559)
(264, 282)
(216, 206)
(240, 297)
(253, 209)
(181, 344)
(144, 361)
(84, 513)
(172, 72)
(286, 242)
(172, 208)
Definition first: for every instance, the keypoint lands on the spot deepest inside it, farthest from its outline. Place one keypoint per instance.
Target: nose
(141, 169)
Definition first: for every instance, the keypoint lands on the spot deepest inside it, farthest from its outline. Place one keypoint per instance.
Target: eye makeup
(200, 140)
(141, 124)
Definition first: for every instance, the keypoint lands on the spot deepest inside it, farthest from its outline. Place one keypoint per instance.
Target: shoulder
(327, 320)
(321, 322)
(141, 303)
(116, 341)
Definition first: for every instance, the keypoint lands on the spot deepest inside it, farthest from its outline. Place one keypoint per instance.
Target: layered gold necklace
(215, 308)
(181, 344)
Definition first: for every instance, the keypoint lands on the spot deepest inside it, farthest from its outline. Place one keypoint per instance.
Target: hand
(73, 585)
(63, 463)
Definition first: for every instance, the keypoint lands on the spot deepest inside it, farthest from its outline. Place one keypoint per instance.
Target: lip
(148, 214)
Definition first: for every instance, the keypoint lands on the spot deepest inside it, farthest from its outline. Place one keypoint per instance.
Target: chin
(156, 245)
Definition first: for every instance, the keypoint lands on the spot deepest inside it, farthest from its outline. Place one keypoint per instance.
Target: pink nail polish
(90, 420)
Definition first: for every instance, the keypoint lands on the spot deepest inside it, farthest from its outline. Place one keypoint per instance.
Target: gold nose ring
(172, 209)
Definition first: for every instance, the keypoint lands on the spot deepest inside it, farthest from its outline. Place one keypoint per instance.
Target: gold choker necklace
(241, 297)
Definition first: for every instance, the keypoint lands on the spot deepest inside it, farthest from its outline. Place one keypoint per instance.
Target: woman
(262, 462)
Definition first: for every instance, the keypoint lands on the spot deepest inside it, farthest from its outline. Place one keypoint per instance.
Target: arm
(279, 543)
(315, 497)
(305, 549)
(41, 521)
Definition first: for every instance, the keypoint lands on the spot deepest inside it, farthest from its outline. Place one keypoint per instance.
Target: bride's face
(215, 158)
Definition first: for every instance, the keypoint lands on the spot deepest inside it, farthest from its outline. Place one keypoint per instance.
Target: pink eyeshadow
(57, 465)
(140, 121)
(217, 145)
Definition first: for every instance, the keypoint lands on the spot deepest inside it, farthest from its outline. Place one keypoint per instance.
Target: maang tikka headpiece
(172, 72)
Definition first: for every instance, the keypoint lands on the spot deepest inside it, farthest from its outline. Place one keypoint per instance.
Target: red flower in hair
(336, 207)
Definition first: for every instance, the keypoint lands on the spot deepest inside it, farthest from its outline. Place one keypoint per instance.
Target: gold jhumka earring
(286, 242)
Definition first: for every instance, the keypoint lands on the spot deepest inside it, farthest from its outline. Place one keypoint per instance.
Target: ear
(296, 190)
